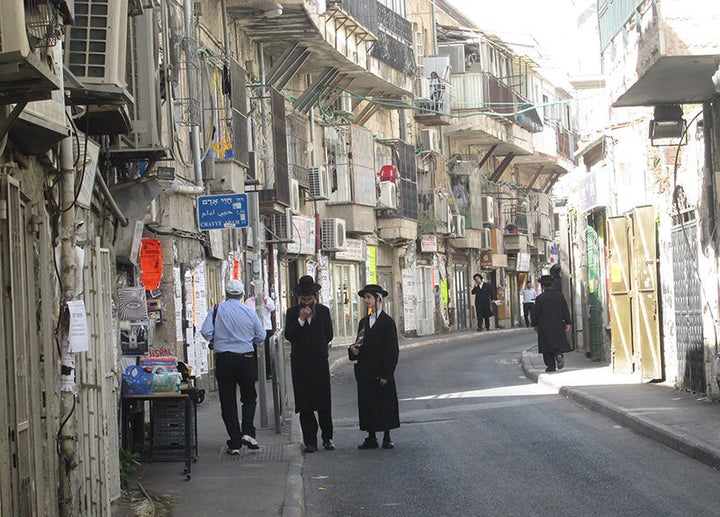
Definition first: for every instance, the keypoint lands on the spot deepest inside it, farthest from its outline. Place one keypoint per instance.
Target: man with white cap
(234, 329)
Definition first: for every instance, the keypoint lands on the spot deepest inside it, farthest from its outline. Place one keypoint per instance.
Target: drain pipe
(68, 389)
(191, 57)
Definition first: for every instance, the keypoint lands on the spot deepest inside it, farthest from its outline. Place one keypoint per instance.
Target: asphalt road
(477, 438)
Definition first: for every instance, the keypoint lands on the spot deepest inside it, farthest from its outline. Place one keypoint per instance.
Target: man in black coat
(484, 296)
(551, 318)
(308, 327)
(376, 351)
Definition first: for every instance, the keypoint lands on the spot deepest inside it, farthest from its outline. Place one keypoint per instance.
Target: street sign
(222, 211)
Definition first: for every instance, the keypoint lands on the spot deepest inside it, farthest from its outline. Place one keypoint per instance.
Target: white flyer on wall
(78, 336)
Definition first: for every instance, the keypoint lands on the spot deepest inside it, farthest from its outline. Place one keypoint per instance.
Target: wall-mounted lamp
(668, 127)
(274, 10)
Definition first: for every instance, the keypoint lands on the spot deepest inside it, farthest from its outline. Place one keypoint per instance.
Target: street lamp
(668, 127)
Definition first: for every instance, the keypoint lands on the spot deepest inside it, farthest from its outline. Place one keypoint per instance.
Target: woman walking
(376, 352)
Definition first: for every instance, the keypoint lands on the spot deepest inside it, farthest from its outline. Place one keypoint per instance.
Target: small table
(162, 442)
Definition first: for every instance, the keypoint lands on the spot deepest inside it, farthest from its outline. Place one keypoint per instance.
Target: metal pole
(68, 388)
(256, 226)
(190, 58)
(264, 117)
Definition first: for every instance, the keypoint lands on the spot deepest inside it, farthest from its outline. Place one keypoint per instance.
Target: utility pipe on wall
(190, 58)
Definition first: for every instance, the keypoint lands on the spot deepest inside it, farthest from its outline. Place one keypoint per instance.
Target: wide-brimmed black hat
(546, 280)
(373, 289)
(306, 285)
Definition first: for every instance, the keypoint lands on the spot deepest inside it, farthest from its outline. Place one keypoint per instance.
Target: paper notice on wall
(78, 335)
(409, 300)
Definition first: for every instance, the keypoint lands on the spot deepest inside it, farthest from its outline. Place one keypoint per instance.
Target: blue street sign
(222, 211)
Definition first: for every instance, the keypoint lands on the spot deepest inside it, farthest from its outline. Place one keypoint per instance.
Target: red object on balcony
(388, 173)
(151, 266)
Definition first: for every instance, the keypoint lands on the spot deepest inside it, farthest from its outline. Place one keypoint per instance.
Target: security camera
(716, 80)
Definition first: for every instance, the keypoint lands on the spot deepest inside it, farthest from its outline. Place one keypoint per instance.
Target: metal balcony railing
(612, 15)
(394, 44)
(566, 143)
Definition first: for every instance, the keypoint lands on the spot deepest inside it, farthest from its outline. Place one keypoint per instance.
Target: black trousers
(233, 370)
(309, 425)
(549, 360)
(482, 318)
(527, 311)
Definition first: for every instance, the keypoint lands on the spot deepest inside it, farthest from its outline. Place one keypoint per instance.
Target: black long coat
(484, 295)
(550, 316)
(377, 405)
(309, 357)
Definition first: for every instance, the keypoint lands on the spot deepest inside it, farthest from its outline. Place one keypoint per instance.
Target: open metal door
(620, 295)
(646, 320)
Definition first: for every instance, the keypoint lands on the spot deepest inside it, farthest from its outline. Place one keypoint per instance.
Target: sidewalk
(269, 481)
(683, 421)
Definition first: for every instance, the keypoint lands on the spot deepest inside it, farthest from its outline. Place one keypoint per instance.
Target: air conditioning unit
(97, 43)
(318, 183)
(229, 176)
(27, 31)
(43, 123)
(457, 225)
(282, 226)
(485, 242)
(421, 88)
(488, 211)
(462, 168)
(388, 196)
(342, 105)
(143, 79)
(295, 196)
(429, 140)
(333, 234)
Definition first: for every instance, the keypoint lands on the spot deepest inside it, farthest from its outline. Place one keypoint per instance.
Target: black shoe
(368, 443)
(311, 448)
(549, 370)
(560, 360)
(387, 444)
(328, 445)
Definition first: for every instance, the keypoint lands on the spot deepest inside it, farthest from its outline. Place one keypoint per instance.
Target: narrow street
(477, 438)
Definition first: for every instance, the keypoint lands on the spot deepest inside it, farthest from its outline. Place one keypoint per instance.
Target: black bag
(211, 343)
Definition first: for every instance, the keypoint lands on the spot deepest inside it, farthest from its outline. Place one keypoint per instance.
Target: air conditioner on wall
(488, 211)
(97, 42)
(283, 226)
(333, 234)
(458, 225)
(318, 183)
(485, 243)
(27, 31)
(388, 196)
(429, 140)
(295, 196)
(342, 105)
(421, 88)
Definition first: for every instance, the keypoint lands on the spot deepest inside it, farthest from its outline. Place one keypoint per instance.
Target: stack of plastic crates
(169, 429)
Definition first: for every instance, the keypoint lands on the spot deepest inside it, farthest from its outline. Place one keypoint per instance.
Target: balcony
(672, 51)
(334, 46)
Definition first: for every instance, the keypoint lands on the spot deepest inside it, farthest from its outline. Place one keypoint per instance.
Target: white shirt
(373, 317)
(527, 295)
(266, 311)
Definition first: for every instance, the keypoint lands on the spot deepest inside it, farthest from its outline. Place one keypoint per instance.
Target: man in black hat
(308, 327)
(551, 320)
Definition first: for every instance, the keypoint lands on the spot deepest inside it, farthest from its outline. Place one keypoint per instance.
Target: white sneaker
(250, 442)
(234, 452)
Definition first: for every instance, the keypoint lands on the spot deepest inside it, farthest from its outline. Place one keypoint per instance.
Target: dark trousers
(527, 311)
(309, 425)
(549, 360)
(233, 370)
(482, 317)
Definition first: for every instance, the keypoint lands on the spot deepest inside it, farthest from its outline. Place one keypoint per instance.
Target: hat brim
(303, 292)
(382, 292)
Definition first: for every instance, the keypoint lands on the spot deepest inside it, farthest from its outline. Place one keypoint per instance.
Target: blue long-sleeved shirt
(236, 328)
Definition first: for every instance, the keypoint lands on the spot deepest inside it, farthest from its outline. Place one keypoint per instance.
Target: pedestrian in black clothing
(484, 298)
(551, 319)
(308, 327)
(376, 351)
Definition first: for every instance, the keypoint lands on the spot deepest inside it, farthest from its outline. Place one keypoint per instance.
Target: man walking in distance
(527, 297)
(484, 297)
(235, 329)
(551, 319)
(309, 329)
(268, 307)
